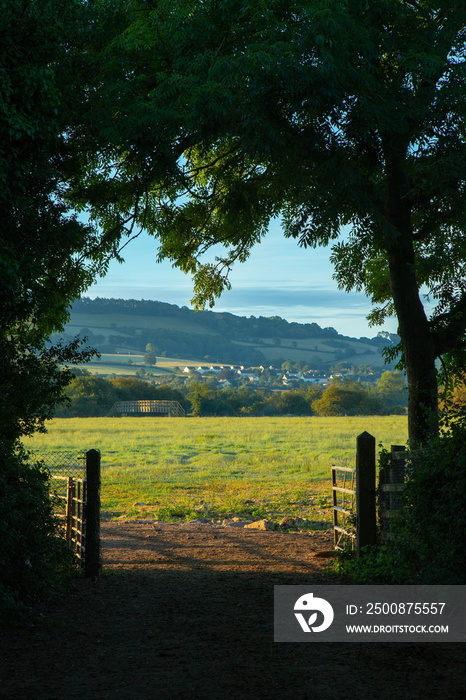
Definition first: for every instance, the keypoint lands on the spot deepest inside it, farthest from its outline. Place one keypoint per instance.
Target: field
(179, 469)
(118, 364)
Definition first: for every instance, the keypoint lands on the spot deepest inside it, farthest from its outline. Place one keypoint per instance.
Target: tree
(200, 395)
(89, 396)
(391, 388)
(346, 398)
(131, 389)
(150, 356)
(47, 258)
(226, 115)
(292, 403)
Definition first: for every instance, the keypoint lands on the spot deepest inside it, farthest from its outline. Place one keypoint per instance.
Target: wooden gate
(353, 492)
(78, 506)
(355, 495)
(344, 507)
(73, 520)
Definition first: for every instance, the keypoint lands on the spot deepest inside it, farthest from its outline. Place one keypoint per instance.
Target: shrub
(32, 557)
(429, 536)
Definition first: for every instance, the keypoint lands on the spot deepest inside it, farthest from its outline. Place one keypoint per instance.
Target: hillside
(120, 326)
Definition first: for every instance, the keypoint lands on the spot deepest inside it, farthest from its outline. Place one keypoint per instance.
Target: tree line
(89, 395)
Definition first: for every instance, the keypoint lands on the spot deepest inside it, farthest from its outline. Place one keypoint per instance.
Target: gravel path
(186, 612)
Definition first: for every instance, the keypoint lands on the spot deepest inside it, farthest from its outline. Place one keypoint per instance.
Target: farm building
(148, 407)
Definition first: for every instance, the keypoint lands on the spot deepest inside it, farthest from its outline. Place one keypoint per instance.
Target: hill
(122, 326)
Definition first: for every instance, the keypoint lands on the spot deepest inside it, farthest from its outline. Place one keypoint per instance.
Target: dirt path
(186, 612)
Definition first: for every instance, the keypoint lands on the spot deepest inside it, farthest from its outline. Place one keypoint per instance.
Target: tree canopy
(328, 114)
(47, 256)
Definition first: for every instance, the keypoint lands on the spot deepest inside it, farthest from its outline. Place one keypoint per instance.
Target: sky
(279, 279)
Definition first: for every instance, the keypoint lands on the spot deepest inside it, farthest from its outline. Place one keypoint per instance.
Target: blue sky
(279, 279)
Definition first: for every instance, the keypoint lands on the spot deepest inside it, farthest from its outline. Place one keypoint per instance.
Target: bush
(32, 557)
(430, 535)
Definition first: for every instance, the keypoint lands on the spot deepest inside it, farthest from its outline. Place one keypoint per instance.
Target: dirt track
(186, 612)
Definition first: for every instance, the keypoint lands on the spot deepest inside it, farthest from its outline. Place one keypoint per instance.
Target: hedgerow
(429, 536)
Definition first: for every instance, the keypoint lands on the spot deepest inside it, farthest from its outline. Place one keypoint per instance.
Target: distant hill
(122, 326)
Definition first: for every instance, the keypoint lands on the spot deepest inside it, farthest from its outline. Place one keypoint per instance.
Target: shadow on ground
(176, 634)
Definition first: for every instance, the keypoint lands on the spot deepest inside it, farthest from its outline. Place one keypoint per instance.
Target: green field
(118, 364)
(180, 469)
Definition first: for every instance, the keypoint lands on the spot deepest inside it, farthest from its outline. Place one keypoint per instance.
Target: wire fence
(61, 465)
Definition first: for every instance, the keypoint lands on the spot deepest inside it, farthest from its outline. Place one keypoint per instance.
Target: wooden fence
(78, 506)
(148, 406)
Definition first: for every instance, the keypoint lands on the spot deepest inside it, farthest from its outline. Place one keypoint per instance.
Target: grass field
(118, 364)
(178, 469)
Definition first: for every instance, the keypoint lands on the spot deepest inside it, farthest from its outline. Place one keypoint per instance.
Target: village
(231, 375)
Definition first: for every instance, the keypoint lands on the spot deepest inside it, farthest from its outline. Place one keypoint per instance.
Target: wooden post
(334, 504)
(365, 491)
(92, 563)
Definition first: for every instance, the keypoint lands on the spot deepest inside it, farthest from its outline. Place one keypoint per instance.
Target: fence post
(365, 491)
(92, 561)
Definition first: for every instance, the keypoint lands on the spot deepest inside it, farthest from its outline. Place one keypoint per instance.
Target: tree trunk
(413, 329)
(418, 349)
